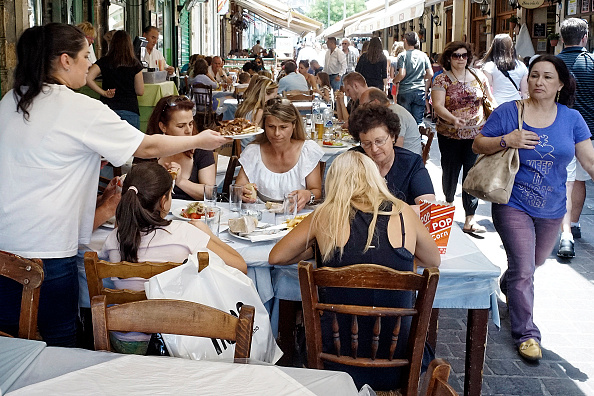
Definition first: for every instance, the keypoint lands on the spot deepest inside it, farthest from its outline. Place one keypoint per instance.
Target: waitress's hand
(210, 140)
(521, 139)
(110, 93)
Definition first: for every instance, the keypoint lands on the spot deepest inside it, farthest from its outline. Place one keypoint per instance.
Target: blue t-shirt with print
(539, 188)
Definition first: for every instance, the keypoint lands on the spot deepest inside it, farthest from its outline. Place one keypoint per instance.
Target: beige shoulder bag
(492, 176)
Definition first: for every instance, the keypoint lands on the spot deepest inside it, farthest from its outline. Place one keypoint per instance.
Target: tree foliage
(319, 10)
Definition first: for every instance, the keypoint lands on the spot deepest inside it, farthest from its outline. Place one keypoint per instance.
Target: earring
(67, 70)
(558, 94)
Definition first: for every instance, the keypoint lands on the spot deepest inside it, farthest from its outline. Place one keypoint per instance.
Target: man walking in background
(580, 62)
(335, 63)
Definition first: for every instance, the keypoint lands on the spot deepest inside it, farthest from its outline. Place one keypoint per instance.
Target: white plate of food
(239, 128)
(187, 213)
(334, 145)
(244, 135)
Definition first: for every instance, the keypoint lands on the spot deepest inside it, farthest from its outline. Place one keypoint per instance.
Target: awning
(279, 14)
(399, 12)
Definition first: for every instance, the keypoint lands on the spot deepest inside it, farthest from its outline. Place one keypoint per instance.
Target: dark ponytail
(37, 49)
(139, 211)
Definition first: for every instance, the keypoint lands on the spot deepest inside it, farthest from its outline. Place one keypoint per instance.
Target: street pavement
(563, 310)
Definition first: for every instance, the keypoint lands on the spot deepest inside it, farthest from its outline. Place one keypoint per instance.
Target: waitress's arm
(295, 246)
(139, 84)
(156, 146)
(94, 71)
(585, 154)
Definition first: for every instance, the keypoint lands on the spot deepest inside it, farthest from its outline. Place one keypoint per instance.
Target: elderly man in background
(574, 32)
(409, 137)
(351, 53)
(354, 86)
(152, 55)
(216, 71)
(292, 81)
(335, 63)
(413, 76)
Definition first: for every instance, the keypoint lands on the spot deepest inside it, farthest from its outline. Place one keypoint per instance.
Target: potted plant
(513, 21)
(553, 39)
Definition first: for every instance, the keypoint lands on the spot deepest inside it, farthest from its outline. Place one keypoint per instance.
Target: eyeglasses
(377, 143)
(456, 55)
(277, 100)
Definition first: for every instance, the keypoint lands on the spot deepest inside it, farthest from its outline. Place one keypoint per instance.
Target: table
(70, 371)
(146, 103)
(467, 280)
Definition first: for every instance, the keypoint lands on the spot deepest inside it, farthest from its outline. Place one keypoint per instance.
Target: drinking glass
(213, 219)
(290, 205)
(235, 193)
(210, 195)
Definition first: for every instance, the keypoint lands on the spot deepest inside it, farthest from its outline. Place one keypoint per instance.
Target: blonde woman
(281, 160)
(360, 221)
(257, 93)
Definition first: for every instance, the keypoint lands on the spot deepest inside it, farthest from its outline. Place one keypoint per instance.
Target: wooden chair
(435, 382)
(368, 276)
(426, 146)
(172, 317)
(97, 270)
(29, 273)
(204, 116)
(230, 174)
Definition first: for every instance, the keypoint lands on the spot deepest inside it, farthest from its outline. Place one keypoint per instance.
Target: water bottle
(328, 119)
(318, 116)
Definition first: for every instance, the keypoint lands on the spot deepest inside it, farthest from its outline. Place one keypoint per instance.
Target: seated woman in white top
(199, 75)
(143, 233)
(281, 160)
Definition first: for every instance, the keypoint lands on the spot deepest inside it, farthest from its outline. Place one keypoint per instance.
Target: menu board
(571, 7)
(540, 29)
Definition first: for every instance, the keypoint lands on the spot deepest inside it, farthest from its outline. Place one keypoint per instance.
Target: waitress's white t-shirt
(503, 89)
(49, 168)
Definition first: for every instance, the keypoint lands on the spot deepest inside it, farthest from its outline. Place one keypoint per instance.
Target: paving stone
(503, 367)
(512, 386)
(565, 387)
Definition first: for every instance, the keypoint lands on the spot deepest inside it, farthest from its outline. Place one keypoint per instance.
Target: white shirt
(351, 58)
(409, 129)
(49, 167)
(220, 77)
(503, 89)
(276, 185)
(335, 62)
(152, 58)
(92, 56)
(292, 82)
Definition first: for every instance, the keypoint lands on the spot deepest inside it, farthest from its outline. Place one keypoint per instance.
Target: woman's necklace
(463, 81)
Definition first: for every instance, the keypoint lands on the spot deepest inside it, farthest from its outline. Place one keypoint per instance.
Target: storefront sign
(530, 4)
(222, 7)
(571, 7)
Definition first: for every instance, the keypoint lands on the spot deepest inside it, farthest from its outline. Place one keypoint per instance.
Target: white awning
(279, 14)
(402, 11)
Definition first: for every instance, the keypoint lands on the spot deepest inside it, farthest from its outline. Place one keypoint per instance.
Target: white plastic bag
(221, 287)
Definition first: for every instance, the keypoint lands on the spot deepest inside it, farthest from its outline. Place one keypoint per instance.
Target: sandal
(474, 229)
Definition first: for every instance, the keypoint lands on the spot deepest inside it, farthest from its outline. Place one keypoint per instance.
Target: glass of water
(210, 195)
(235, 193)
(213, 219)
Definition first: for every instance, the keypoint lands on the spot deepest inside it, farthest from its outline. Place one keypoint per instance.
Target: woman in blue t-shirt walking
(528, 225)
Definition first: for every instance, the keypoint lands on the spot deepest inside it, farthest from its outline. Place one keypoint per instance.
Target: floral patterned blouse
(463, 99)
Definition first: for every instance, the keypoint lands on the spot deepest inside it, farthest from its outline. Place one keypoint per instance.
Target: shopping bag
(218, 286)
(438, 218)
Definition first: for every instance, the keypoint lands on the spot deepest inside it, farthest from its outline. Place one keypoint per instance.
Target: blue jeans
(414, 102)
(131, 117)
(333, 83)
(528, 241)
(58, 303)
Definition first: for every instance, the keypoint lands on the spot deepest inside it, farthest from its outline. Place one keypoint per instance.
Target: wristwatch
(502, 142)
(312, 197)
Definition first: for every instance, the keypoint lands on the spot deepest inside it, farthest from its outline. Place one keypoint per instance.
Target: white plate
(333, 146)
(246, 135)
(177, 214)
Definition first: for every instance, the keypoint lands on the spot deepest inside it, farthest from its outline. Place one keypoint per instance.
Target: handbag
(492, 176)
(487, 105)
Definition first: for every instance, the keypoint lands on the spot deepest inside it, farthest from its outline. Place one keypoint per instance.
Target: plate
(177, 214)
(246, 135)
(334, 146)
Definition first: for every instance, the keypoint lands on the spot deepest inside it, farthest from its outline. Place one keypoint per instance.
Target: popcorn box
(438, 218)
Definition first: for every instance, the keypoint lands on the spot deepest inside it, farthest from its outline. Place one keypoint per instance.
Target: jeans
(333, 83)
(58, 303)
(131, 117)
(414, 102)
(456, 154)
(528, 241)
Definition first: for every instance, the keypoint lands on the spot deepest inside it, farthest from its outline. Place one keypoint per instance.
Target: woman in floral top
(458, 101)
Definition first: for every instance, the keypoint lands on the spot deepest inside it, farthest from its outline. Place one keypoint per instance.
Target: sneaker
(566, 249)
(530, 350)
(576, 231)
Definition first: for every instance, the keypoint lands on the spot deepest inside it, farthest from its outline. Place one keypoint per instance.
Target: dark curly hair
(369, 116)
(445, 58)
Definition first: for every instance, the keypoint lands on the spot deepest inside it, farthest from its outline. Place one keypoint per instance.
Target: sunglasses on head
(277, 100)
(460, 56)
(174, 100)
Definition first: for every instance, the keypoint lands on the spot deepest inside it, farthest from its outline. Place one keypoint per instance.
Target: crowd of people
(51, 149)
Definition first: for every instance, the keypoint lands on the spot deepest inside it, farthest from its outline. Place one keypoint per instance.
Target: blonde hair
(254, 97)
(284, 110)
(88, 29)
(397, 48)
(353, 183)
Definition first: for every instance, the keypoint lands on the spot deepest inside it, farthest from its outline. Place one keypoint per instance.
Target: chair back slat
(172, 317)
(29, 273)
(204, 115)
(435, 382)
(354, 336)
(426, 146)
(368, 276)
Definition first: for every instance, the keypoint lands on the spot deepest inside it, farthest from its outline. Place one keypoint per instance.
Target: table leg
(432, 331)
(476, 342)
